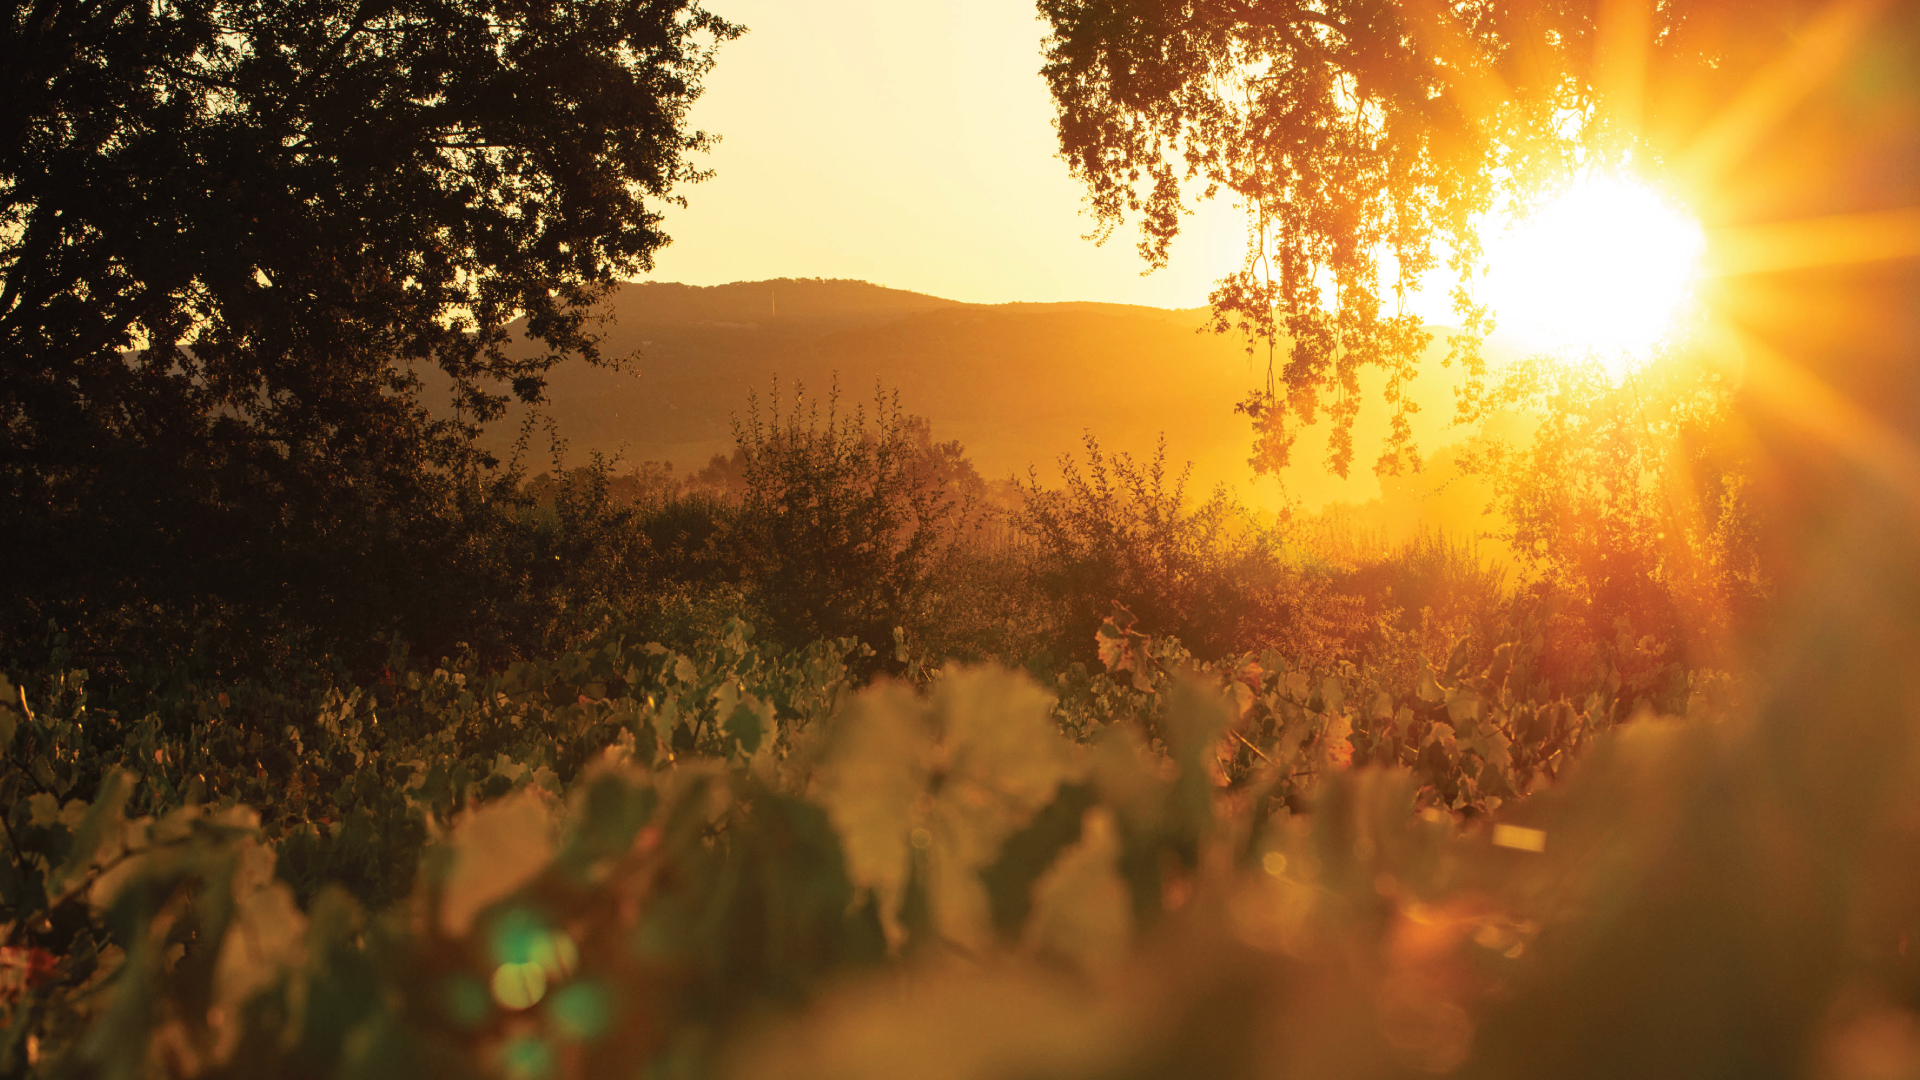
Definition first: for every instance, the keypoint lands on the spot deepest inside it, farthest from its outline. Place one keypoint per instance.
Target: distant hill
(1017, 384)
(787, 301)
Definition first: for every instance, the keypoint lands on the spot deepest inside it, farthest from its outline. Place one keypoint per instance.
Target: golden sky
(907, 143)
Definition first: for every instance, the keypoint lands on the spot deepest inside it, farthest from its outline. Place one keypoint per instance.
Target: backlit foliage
(1368, 141)
(628, 856)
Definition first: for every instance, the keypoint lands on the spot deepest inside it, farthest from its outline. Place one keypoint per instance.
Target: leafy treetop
(230, 230)
(1366, 139)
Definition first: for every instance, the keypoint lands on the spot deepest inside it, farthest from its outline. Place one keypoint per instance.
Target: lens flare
(1606, 269)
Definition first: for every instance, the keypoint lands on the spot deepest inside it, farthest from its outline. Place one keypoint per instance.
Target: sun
(1605, 270)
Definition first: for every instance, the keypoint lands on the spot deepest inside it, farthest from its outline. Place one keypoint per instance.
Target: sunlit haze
(1606, 268)
(910, 145)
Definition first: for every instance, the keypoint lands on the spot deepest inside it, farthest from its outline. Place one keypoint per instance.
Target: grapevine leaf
(1336, 748)
(1005, 759)
(263, 941)
(1299, 687)
(749, 722)
(1002, 742)
(1027, 854)
(874, 770)
(1082, 910)
(1493, 780)
(1122, 648)
(1129, 777)
(1332, 694)
(1382, 705)
(497, 849)
(1466, 709)
(666, 720)
(1196, 719)
(97, 827)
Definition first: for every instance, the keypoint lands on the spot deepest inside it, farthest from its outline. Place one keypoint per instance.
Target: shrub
(1632, 503)
(1208, 574)
(845, 521)
(559, 558)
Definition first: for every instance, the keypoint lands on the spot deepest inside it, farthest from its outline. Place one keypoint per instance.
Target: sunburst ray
(1766, 100)
(1808, 243)
(1800, 397)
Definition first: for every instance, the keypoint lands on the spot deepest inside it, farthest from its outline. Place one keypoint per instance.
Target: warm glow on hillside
(1606, 268)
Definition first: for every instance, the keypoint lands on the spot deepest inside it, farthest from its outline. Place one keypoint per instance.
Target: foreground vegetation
(832, 713)
(629, 856)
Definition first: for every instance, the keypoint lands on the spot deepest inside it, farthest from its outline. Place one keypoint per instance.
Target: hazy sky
(907, 143)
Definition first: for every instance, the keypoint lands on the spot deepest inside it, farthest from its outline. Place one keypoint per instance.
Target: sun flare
(1605, 269)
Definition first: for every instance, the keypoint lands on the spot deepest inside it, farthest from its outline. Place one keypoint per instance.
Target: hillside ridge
(1018, 384)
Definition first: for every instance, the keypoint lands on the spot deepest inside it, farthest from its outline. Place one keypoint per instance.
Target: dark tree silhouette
(230, 230)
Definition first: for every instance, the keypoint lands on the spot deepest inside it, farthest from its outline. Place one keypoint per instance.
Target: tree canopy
(231, 230)
(1368, 139)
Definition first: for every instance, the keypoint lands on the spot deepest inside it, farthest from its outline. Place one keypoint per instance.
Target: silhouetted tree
(230, 231)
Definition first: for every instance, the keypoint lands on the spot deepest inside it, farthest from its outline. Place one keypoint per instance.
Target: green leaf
(1429, 690)
(1493, 778)
(989, 737)
(1466, 709)
(1082, 909)
(1332, 694)
(665, 720)
(998, 730)
(95, 834)
(1299, 687)
(1027, 854)
(264, 941)
(874, 769)
(1196, 718)
(1492, 746)
(495, 850)
(1382, 705)
(749, 722)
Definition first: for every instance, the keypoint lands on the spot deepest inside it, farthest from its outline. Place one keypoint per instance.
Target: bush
(1208, 574)
(845, 522)
(559, 559)
(1632, 502)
